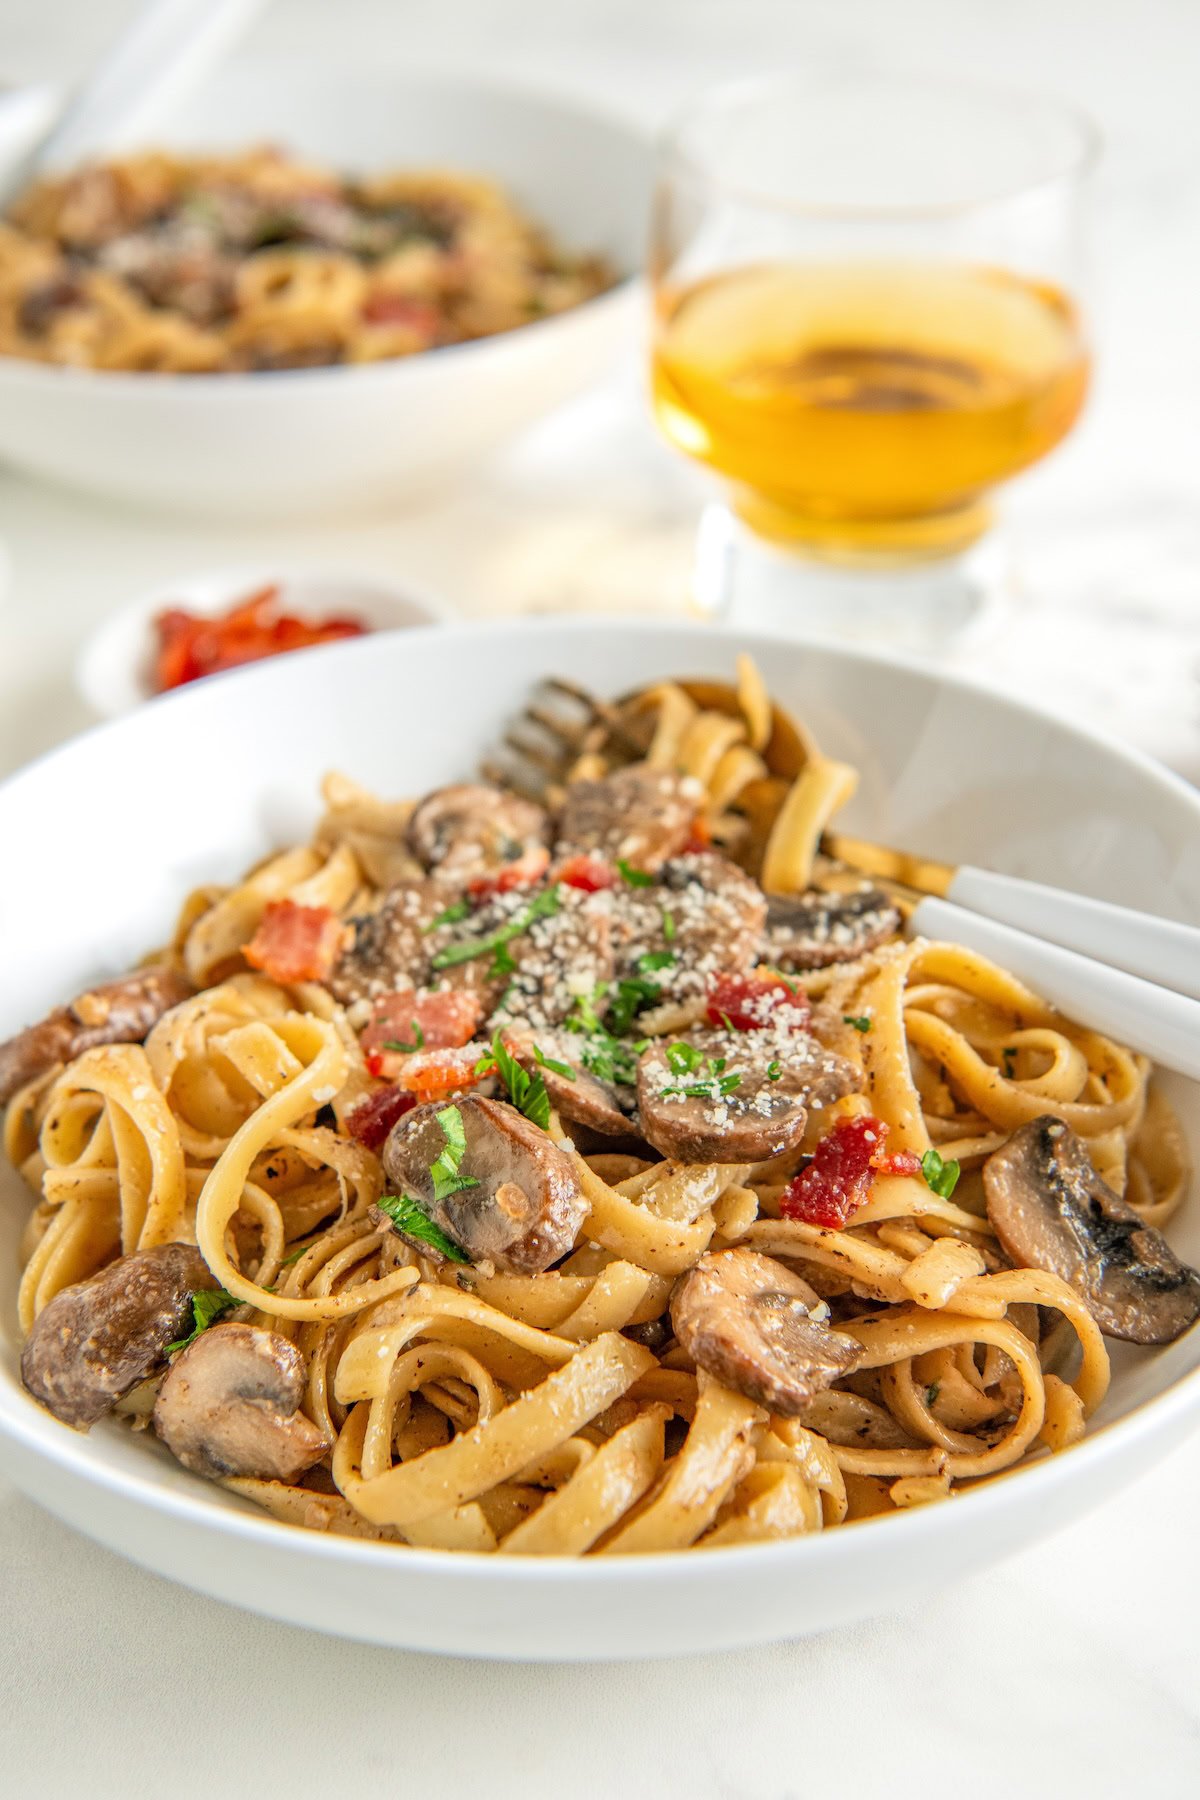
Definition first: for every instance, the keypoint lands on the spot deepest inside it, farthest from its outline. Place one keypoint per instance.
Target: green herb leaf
(541, 907)
(501, 964)
(297, 1254)
(860, 1021)
(717, 1087)
(656, 959)
(208, 1305)
(632, 994)
(444, 1168)
(461, 909)
(603, 1055)
(418, 1042)
(774, 1070)
(633, 877)
(548, 1062)
(409, 1219)
(684, 1059)
(932, 1392)
(527, 1092)
(668, 922)
(940, 1177)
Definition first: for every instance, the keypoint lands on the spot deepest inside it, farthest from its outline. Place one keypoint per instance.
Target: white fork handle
(1157, 949)
(1165, 1026)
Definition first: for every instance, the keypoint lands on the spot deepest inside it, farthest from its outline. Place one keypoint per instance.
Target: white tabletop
(1072, 1668)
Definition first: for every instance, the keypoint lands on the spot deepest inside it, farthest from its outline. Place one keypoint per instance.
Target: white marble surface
(1073, 1668)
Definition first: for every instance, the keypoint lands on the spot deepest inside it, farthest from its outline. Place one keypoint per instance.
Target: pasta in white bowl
(578, 1293)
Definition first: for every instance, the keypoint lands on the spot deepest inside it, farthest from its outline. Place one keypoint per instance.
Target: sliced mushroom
(639, 815)
(470, 831)
(746, 1099)
(524, 1208)
(394, 947)
(1052, 1211)
(810, 931)
(702, 915)
(580, 1097)
(565, 954)
(230, 1405)
(116, 1012)
(97, 1339)
(759, 1329)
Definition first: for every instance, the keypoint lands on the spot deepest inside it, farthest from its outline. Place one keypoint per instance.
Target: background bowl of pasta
(380, 424)
(118, 826)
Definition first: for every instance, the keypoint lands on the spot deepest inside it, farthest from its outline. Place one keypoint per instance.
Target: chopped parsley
(684, 1058)
(208, 1305)
(541, 907)
(296, 1254)
(632, 994)
(932, 1392)
(501, 964)
(418, 1042)
(940, 1177)
(633, 877)
(445, 1166)
(603, 1055)
(409, 1218)
(548, 1062)
(860, 1021)
(527, 1092)
(451, 916)
(668, 924)
(774, 1070)
(656, 959)
(716, 1087)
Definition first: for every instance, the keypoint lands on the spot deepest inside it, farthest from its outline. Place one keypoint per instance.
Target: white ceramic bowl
(323, 440)
(115, 827)
(115, 669)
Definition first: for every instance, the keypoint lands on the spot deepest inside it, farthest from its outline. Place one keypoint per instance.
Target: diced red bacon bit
(437, 1074)
(837, 1182)
(590, 874)
(898, 1162)
(295, 943)
(372, 1119)
(751, 1002)
(523, 871)
(445, 1020)
(700, 838)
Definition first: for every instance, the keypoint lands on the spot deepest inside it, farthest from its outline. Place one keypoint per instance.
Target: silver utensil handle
(1164, 1025)
(1160, 950)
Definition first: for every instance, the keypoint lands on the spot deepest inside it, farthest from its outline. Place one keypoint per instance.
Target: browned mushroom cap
(394, 946)
(98, 1338)
(759, 1329)
(460, 833)
(580, 1097)
(229, 1405)
(560, 955)
(639, 815)
(116, 1012)
(745, 1100)
(810, 931)
(718, 915)
(525, 1207)
(1052, 1211)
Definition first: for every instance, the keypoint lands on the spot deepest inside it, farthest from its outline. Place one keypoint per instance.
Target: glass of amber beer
(867, 309)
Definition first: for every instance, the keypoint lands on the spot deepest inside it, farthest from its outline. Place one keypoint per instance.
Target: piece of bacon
(437, 1074)
(590, 874)
(372, 1119)
(837, 1182)
(751, 1002)
(441, 1021)
(295, 943)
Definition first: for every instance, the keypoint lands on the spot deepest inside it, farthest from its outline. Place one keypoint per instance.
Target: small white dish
(115, 668)
(319, 441)
(117, 826)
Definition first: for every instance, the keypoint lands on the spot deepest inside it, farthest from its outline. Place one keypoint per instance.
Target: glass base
(864, 543)
(741, 580)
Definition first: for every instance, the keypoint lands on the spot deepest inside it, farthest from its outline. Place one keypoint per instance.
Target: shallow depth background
(1074, 1669)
